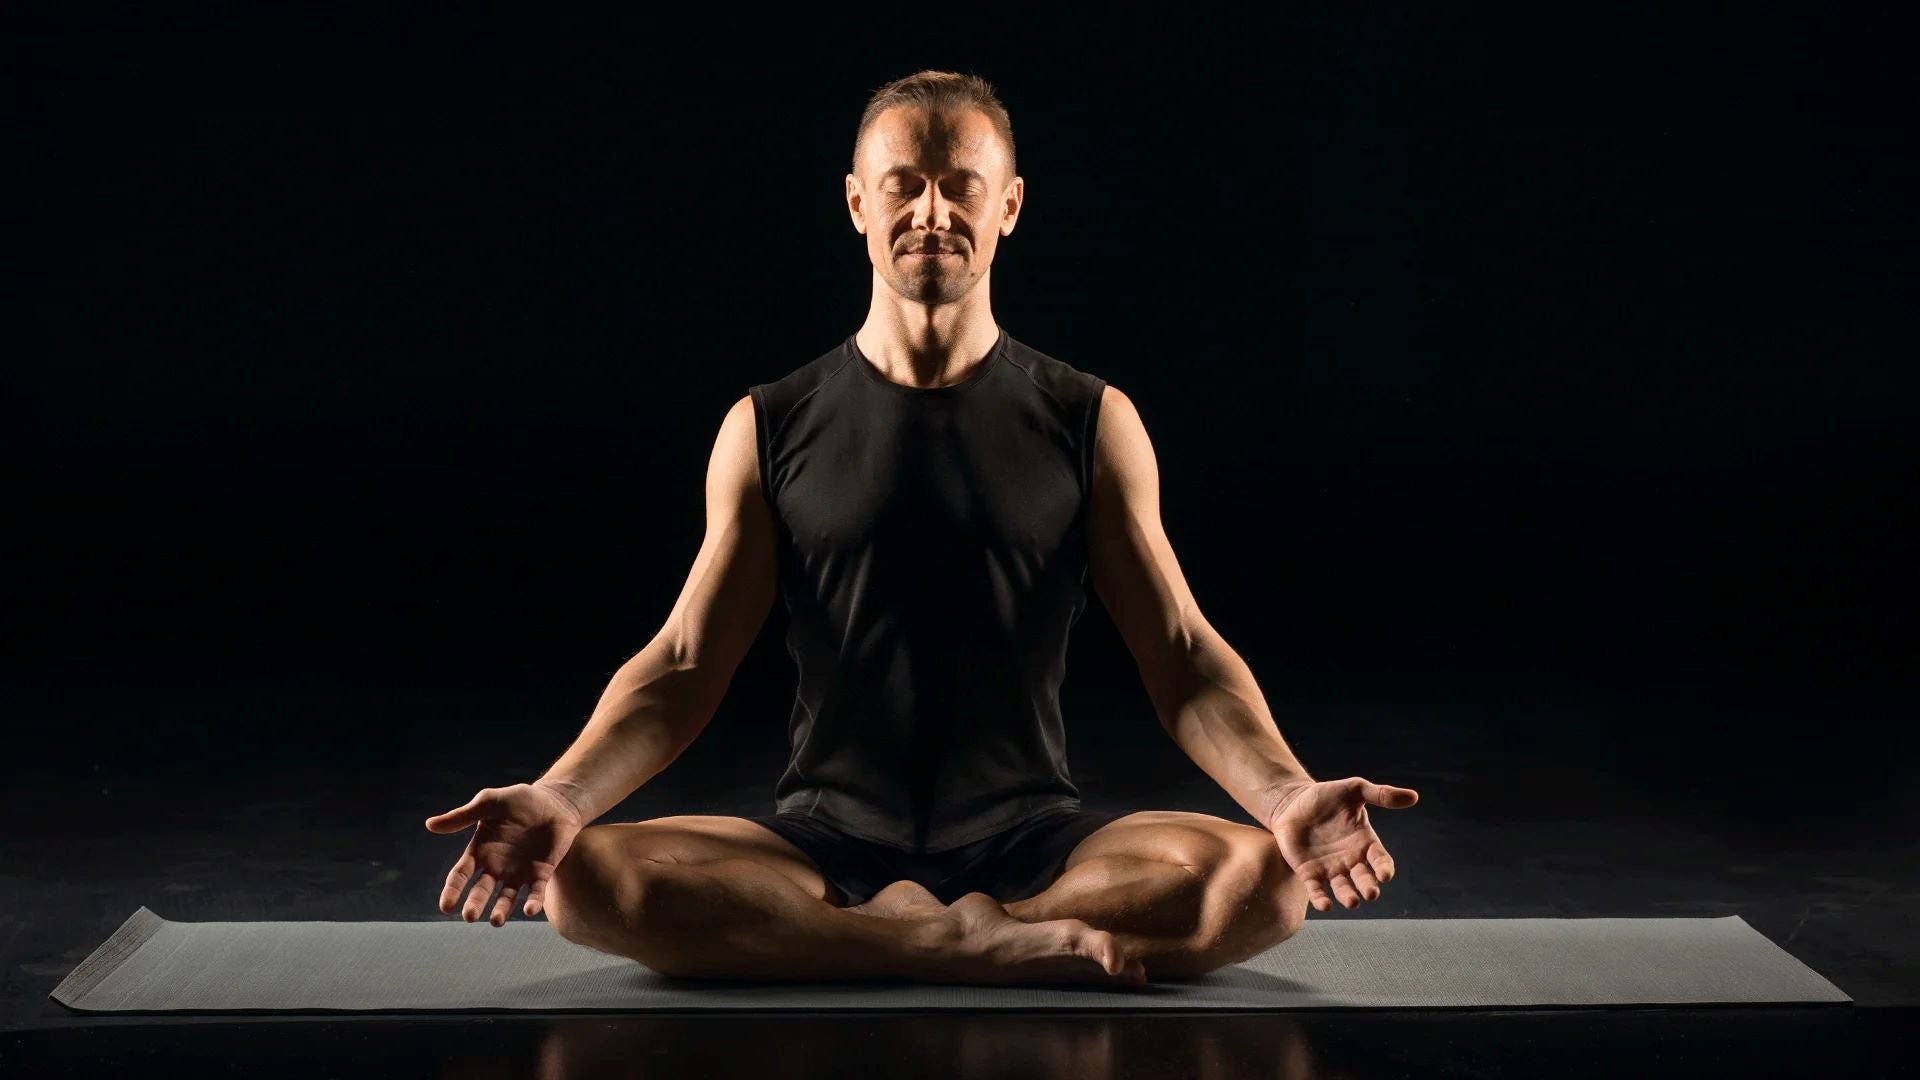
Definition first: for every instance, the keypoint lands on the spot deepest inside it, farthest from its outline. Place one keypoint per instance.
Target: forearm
(1217, 715)
(649, 713)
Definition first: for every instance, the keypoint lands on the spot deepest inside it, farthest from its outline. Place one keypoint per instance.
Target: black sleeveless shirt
(932, 555)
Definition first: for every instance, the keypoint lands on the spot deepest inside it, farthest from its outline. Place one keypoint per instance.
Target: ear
(1016, 195)
(855, 206)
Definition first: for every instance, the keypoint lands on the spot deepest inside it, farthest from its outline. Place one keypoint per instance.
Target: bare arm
(664, 696)
(1202, 690)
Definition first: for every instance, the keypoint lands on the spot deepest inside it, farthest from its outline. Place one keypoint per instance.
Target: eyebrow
(903, 170)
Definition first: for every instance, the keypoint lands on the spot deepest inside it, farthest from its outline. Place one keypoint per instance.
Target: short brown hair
(940, 91)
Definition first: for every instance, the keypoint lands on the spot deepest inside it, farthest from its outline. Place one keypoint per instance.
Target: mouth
(930, 254)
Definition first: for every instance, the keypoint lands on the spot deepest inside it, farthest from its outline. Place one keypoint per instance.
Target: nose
(931, 211)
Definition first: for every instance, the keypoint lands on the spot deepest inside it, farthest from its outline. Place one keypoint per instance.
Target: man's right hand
(522, 832)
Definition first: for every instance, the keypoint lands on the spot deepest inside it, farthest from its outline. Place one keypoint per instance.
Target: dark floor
(209, 799)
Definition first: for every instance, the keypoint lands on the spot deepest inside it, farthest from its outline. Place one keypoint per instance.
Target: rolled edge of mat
(122, 943)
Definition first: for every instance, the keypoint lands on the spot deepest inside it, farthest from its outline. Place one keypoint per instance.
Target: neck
(927, 345)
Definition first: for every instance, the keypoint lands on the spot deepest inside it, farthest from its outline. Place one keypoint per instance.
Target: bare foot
(901, 900)
(990, 946)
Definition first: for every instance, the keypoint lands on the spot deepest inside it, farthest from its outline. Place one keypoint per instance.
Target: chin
(928, 289)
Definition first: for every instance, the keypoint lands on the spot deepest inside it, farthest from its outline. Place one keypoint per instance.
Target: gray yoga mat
(153, 965)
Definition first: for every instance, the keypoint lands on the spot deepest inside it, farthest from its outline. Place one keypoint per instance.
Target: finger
(462, 816)
(1344, 890)
(503, 907)
(477, 899)
(456, 883)
(536, 898)
(1317, 895)
(1381, 861)
(1363, 880)
(1393, 798)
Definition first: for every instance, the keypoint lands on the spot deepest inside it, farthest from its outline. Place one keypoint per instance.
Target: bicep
(730, 588)
(1132, 563)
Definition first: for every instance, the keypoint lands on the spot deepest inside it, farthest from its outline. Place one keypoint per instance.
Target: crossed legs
(1185, 893)
(722, 897)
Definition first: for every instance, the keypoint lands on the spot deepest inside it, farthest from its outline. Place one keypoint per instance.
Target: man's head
(933, 171)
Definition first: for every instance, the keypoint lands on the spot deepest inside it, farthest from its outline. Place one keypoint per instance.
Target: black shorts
(1010, 865)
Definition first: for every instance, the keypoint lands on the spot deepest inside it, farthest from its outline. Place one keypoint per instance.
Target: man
(929, 498)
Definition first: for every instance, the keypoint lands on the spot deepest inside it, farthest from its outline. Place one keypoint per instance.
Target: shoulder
(1076, 393)
(1050, 372)
(1117, 411)
(776, 401)
(1121, 446)
(806, 377)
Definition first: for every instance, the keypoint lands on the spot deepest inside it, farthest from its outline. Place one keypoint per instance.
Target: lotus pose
(929, 498)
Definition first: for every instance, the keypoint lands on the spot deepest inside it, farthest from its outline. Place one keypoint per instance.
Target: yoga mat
(153, 965)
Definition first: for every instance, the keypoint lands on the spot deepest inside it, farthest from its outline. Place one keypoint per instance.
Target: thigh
(1177, 836)
(697, 838)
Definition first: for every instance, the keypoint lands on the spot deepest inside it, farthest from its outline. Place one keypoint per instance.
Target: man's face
(933, 193)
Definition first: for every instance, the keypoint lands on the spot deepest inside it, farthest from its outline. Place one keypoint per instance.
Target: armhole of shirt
(762, 436)
(1090, 430)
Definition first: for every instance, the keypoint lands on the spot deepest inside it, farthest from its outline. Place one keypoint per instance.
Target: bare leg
(1179, 920)
(735, 918)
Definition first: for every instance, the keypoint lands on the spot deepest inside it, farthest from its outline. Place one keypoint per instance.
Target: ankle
(932, 942)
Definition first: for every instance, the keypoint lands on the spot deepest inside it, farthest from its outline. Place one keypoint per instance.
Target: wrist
(1277, 795)
(572, 795)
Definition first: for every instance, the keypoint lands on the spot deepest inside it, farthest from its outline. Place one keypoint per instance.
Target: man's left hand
(1325, 836)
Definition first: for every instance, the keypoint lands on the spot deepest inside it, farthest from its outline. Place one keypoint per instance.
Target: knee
(1254, 901)
(1268, 900)
(1284, 894)
(585, 895)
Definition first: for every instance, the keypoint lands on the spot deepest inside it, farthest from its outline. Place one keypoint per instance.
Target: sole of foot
(901, 900)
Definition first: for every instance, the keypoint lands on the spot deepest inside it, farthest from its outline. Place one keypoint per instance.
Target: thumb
(459, 818)
(1393, 798)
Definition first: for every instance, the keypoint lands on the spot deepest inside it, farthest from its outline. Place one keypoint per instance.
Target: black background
(1491, 359)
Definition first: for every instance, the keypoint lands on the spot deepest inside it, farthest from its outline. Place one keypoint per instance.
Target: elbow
(667, 667)
(682, 654)
(1180, 674)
